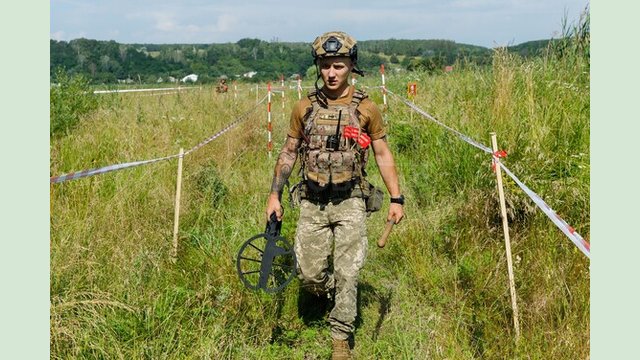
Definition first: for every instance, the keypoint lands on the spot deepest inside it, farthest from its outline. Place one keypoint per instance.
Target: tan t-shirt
(370, 116)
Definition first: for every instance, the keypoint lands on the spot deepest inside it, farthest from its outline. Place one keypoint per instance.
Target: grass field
(438, 290)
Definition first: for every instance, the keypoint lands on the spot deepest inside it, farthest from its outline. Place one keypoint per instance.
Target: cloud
(191, 28)
(225, 23)
(58, 35)
(160, 21)
(164, 22)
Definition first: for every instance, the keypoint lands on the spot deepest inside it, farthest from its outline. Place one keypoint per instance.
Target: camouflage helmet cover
(334, 43)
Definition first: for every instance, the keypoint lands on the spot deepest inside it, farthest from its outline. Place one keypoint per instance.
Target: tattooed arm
(281, 173)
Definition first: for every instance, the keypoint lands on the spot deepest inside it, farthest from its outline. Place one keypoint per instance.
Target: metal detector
(267, 261)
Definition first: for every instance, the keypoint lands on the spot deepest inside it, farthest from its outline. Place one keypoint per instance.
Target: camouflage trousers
(339, 230)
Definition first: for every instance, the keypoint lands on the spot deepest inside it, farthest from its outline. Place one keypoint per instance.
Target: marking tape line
(110, 168)
(571, 233)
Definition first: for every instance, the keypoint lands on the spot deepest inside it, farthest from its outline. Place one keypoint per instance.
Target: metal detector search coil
(267, 261)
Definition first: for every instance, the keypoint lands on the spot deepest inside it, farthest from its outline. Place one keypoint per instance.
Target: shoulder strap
(356, 99)
(316, 101)
(311, 113)
(358, 96)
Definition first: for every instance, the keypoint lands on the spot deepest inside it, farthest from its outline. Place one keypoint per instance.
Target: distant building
(250, 74)
(190, 77)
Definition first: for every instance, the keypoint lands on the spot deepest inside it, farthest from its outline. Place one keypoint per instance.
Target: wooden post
(176, 219)
(282, 84)
(235, 91)
(257, 93)
(269, 143)
(412, 90)
(384, 88)
(507, 241)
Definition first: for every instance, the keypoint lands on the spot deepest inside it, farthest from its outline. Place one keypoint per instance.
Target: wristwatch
(398, 200)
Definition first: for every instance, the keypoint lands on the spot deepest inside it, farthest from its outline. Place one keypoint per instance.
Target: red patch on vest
(351, 132)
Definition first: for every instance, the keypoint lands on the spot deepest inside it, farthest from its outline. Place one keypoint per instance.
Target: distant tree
(93, 58)
(249, 43)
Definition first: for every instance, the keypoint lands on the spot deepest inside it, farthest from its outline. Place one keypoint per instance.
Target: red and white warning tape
(180, 88)
(573, 235)
(110, 168)
(105, 169)
(459, 134)
(227, 128)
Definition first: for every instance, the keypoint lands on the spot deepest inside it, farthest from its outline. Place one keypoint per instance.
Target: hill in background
(253, 60)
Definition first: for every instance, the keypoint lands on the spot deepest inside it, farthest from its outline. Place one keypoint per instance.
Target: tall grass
(70, 99)
(438, 290)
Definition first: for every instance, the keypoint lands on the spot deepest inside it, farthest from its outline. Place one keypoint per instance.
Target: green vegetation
(106, 62)
(438, 290)
(70, 99)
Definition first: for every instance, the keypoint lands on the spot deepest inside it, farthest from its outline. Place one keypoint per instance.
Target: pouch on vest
(373, 197)
(374, 202)
(296, 194)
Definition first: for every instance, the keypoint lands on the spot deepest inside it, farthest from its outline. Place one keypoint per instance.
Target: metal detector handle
(273, 226)
(385, 234)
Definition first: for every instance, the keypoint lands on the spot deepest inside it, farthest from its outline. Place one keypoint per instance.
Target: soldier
(222, 85)
(332, 130)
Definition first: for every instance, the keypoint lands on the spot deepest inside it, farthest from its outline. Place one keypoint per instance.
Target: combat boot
(341, 350)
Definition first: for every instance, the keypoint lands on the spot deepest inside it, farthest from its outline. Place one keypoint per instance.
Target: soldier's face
(335, 72)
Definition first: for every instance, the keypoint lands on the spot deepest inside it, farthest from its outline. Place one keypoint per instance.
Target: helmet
(335, 43)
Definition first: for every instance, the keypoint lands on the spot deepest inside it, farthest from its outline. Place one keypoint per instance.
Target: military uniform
(332, 210)
(330, 133)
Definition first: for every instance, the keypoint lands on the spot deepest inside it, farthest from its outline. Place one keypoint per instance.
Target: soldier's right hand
(273, 205)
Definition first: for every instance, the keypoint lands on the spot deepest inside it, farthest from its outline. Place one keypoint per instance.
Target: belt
(331, 193)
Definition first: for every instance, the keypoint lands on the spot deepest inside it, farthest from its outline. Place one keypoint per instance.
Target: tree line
(108, 62)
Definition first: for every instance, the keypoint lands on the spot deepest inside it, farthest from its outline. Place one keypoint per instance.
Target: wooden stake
(269, 143)
(507, 241)
(282, 84)
(235, 91)
(384, 89)
(176, 219)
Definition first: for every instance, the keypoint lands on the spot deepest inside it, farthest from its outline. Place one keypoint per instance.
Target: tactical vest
(328, 157)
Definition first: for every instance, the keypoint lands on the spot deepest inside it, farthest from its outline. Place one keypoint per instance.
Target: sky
(487, 23)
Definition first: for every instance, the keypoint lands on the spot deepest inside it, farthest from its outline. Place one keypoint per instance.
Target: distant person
(332, 130)
(222, 86)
